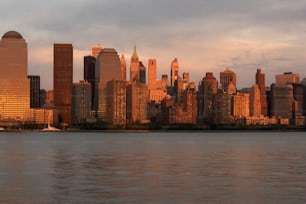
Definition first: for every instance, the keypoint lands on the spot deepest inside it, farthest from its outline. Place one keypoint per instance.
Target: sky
(204, 35)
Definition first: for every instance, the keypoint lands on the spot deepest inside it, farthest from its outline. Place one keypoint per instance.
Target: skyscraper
(255, 105)
(142, 73)
(108, 67)
(260, 80)
(81, 103)
(123, 67)
(14, 83)
(95, 50)
(287, 78)
(241, 105)
(282, 101)
(152, 74)
(63, 74)
(90, 75)
(134, 69)
(226, 77)
(174, 71)
(34, 91)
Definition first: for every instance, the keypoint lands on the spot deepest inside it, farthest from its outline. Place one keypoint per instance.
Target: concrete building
(34, 91)
(14, 83)
(108, 68)
(116, 100)
(255, 105)
(123, 67)
(260, 81)
(136, 102)
(174, 71)
(226, 77)
(81, 103)
(287, 78)
(208, 87)
(95, 50)
(221, 108)
(134, 67)
(152, 69)
(241, 105)
(62, 82)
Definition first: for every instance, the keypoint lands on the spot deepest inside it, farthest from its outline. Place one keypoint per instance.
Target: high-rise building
(14, 83)
(136, 102)
(42, 97)
(260, 80)
(178, 89)
(221, 108)
(152, 74)
(95, 50)
(241, 105)
(108, 68)
(123, 67)
(34, 91)
(174, 71)
(255, 105)
(165, 80)
(142, 73)
(116, 92)
(226, 77)
(90, 75)
(287, 78)
(134, 69)
(81, 103)
(282, 101)
(63, 76)
(208, 87)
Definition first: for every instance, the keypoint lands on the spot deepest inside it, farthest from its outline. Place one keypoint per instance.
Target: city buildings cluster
(105, 95)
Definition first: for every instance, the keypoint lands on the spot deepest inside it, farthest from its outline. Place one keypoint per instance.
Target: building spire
(135, 56)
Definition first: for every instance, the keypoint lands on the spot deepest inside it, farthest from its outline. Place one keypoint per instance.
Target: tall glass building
(14, 82)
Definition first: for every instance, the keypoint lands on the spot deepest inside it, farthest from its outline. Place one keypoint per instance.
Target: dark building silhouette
(34, 91)
(42, 97)
(63, 74)
(90, 76)
(142, 73)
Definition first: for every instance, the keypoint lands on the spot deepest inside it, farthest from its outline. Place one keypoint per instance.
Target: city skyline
(240, 35)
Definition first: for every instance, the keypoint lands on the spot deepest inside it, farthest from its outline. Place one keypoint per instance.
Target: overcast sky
(205, 35)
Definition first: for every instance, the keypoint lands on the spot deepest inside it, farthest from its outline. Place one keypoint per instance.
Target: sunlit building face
(15, 86)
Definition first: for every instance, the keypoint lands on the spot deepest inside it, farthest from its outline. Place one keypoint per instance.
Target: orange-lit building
(241, 105)
(123, 67)
(260, 80)
(255, 105)
(226, 77)
(14, 83)
(95, 50)
(134, 67)
(174, 71)
(287, 78)
(62, 82)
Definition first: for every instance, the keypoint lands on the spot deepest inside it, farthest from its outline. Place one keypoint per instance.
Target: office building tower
(14, 83)
(136, 102)
(81, 102)
(221, 108)
(241, 105)
(116, 92)
(90, 75)
(42, 97)
(34, 91)
(255, 105)
(287, 78)
(95, 50)
(123, 67)
(178, 89)
(208, 87)
(298, 98)
(282, 101)
(226, 77)
(108, 68)
(165, 80)
(174, 71)
(142, 73)
(152, 74)
(260, 80)
(63, 74)
(134, 68)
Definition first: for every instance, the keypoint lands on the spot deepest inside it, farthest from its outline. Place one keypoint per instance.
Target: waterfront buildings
(174, 71)
(14, 83)
(142, 73)
(134, 67)
(90, 74)
(108, 68)
(287, 78)
(241, 105)
(81, 106)
(63, 74)
(260, 81)
(255, 105)
(123, 67)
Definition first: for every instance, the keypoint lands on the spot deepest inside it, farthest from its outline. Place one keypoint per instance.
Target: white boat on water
(2, 129)
(49, 128)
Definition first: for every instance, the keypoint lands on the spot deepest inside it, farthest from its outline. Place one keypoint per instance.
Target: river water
(163, 167)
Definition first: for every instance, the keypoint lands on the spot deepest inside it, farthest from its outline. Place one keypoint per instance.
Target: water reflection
(153, 168)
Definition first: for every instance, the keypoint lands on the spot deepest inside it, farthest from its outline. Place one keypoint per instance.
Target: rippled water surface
(222, 167)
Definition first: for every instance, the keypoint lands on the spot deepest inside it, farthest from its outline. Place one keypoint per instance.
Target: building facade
(287, 78)
(226, 77)
(134, 67)
(34, 91)
(174, 71)
(62, 82)
(260, 81)
(81, 103)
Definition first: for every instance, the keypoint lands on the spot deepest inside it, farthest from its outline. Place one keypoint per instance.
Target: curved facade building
(14, 83)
